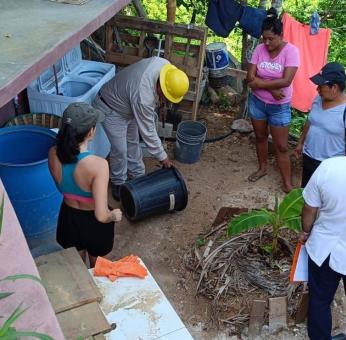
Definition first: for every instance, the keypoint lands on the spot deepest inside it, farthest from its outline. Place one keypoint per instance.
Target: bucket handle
(171, 201)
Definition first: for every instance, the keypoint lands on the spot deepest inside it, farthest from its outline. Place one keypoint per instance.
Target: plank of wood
(159, 27)
(175, 46)
(67, 280)
(194, 49)
(190, 66)
(83, 321)
(141, 47)
(257, 317)
(200, 62)
(122, 59)
(109, 37)
(303, 307)
(277, 312)
(126, 59)
(168, 46)
(234, 72)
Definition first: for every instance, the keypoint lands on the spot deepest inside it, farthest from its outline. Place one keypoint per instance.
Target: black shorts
(80, 229)
(309, 167)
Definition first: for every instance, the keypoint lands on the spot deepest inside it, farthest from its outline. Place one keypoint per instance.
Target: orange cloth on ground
(313, 50)
(127, 266)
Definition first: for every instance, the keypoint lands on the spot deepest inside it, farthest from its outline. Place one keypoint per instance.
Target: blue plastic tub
(26, 177)
(156, 193)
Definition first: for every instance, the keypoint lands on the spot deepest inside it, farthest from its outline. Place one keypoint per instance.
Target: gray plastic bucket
(189, 141)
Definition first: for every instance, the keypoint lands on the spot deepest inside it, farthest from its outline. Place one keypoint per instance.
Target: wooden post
(139, 8)
(303, 307)
(171, 10)
(256, 318)
(277, 312)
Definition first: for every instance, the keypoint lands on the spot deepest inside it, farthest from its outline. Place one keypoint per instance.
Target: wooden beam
(139, 8)
(109, 37)
(171, 9)
(158, 27)
(175, 46)
(200, 62)
(234, 72)
(123, 59)
(83, 321)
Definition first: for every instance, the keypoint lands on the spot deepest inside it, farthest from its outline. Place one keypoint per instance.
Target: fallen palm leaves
(234, 271)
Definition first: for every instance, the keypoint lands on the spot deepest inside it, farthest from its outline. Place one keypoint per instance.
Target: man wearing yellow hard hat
(129, 101)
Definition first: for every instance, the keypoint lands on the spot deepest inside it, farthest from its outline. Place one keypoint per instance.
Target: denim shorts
(275, 114)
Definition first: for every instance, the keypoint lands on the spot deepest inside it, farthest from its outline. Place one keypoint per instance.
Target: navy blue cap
(331, 73)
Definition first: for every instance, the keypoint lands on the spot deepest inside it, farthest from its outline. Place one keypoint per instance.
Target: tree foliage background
(332, 13)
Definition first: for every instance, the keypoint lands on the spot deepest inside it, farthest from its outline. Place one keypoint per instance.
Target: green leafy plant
(297, 123)
(224, 103)
(200, 242)
(7, 331)
(286, 214)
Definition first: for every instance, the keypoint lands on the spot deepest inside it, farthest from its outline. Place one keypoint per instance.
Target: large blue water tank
(26, 177)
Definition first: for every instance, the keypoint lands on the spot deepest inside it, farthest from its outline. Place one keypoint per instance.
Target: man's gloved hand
(166, 163)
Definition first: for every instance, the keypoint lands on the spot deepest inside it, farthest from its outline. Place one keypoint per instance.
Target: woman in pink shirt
(270, 73)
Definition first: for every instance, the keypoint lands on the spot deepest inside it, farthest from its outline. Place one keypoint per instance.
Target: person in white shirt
(129, 101)
(324, 231)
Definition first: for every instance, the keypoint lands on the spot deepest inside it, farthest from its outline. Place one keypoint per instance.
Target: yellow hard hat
(174, 83)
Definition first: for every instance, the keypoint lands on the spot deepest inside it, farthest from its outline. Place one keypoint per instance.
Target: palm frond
(294, 223)
(22, 276)
(34, 334)
(4, 295)
(291, 205)
(10, 321)
(248, 220)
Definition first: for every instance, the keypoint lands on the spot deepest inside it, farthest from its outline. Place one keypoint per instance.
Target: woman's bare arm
(251, 72)
(99, 190)
(285, 81)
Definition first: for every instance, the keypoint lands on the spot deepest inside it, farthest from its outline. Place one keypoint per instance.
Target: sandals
(256, 176)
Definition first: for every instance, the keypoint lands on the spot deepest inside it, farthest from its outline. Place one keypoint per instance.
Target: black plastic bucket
(157, 193)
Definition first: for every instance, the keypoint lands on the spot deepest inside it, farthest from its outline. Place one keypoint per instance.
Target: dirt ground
(218, 179)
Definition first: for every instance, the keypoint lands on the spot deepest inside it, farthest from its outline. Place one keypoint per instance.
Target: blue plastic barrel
(156, 193)
(189, 141)
(26, 177)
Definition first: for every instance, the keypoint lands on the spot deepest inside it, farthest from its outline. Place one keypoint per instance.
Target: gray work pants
(125, 157)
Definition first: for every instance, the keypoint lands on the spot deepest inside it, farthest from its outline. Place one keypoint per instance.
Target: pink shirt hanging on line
(268, 68)
(313, 51)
